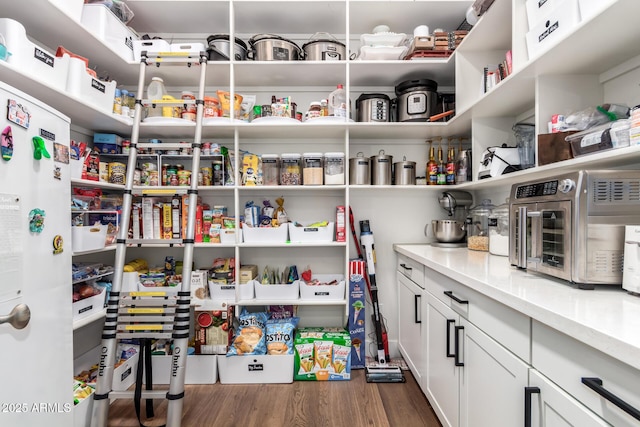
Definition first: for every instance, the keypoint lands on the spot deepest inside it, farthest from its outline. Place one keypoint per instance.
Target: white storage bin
(200, 369)
(88, 306)
(265, 234)
(246, 290)
(89, 89)
(151, 46)
(32, 59)
(188, 47)
(589, 8)
(539, 10)
(124, 376)
(82, 412)
(323, 292)
(282, 292)
(228, 235)
(262, 369)
(558, 24)
(311, 234)
(99, 20)
(88, 237)
(220, 292)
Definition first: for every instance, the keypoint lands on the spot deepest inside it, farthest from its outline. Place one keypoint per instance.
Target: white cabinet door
(492, 383)
(410, 325)
(552, 407)
(443, 376)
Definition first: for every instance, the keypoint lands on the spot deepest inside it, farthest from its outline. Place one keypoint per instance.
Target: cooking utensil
(324, 47)
(270, 47)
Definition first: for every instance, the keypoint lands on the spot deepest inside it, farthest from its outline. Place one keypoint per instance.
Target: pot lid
(260, 37)
(323, 41)
(215, 37)
(430, 85)
(366, 96)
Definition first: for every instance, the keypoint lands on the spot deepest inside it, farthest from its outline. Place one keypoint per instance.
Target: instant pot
(269, 47)
(416, 100)
(220, 48)
(373, 107)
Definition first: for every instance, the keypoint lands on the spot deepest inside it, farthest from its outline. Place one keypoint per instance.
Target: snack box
(356, 323)
(322, 354)
(107, 143)
(212, 330)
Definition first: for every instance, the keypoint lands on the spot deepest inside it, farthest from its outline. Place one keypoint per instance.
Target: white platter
(368, 53)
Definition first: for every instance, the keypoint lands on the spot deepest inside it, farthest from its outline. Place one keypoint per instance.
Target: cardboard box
(322, 354)
(552, 148)
(356, 323)
(199, 286)
(341, 232)
(107, 143)
(248, 272)
(212, 330)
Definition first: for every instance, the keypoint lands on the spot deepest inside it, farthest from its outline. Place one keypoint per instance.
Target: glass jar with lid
(290, 169)
(312, 173)
(499, 230)
(334, 168)
(478, 226)
(270, 169)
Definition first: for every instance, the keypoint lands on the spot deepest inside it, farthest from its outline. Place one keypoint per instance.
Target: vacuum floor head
(384, 374)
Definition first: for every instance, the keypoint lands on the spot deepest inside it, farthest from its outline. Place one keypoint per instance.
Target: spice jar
(478, 226)
(290, 169)
(334, 168)
(499, 230)
(270, 169)
(312, 169)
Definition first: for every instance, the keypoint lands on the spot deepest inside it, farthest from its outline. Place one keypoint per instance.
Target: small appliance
(497, 161)
(416, 100)
(631, 269)
(373, 107)
(573, 226)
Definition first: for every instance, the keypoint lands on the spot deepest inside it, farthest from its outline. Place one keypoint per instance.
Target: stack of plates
(382, 46)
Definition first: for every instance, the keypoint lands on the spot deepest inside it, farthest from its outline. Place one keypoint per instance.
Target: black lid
(366, 96)
(215, 37)
(430, 85)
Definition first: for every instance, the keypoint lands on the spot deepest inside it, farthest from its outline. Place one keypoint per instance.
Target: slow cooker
(270, 47)
(373, 107)
(416, 100)
(220, 48)
(324, 47)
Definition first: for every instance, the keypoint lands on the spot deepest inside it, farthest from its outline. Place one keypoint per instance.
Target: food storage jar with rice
(312, 173)
(478, 226)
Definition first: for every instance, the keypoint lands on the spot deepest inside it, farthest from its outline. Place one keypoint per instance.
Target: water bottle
(338, 103)
(155, 92)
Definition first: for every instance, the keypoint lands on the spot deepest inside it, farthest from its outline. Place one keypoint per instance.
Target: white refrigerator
(36, 358)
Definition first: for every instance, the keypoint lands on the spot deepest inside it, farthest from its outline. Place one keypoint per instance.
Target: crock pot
(324, 47)
(417, 100)
(270, 47)
(219, 48)
(373, 107)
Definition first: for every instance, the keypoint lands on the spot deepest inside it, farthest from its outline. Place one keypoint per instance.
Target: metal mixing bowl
(448, 231)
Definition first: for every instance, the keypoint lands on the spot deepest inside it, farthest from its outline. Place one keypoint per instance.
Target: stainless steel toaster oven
(572, 226)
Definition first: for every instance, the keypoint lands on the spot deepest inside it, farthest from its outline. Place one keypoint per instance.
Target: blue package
(250, 337)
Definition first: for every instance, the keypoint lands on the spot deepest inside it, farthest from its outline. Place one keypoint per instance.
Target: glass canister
(270, 169)
(478, 226)
(334, 168)
(312, 172)
(290, 169)
(499, 230)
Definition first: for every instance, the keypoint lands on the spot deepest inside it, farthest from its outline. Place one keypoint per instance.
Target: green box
(322, 354)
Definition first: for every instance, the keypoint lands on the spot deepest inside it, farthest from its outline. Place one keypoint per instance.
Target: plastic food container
(270, 169)
(334, 168)
(312, 172)
(290, 169)
(478, 226)
(499, 230)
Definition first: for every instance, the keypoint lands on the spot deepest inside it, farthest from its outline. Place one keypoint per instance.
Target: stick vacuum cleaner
(380, 372)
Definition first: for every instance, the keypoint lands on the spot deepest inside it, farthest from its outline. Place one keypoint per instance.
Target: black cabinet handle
(449, 322)
(456, 346)
(455, 298)
(528, 391)
(595, 384)
(416, 308)
(403, 265)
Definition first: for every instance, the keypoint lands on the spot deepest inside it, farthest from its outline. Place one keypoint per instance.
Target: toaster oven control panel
(538, 189)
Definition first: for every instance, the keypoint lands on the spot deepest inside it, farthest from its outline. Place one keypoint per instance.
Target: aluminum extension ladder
(151, 315)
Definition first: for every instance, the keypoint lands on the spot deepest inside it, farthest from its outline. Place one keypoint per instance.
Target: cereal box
(322, 354)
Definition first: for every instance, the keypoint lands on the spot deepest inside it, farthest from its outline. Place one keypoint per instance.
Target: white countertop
(607, 318)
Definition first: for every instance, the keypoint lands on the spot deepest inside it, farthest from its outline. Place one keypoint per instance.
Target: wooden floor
(351, 403)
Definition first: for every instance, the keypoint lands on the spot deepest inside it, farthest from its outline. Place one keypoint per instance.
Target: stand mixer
(452, 232)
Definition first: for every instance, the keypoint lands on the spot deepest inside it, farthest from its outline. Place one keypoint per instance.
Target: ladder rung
(148, 310)
(146, 394)
(146, 327)
(138, 335)
(147, 319)
(151, 293)
(157, 191)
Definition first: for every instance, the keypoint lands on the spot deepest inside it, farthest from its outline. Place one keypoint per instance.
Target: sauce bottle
(451, 166)
(441, 176)
(432, 166)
